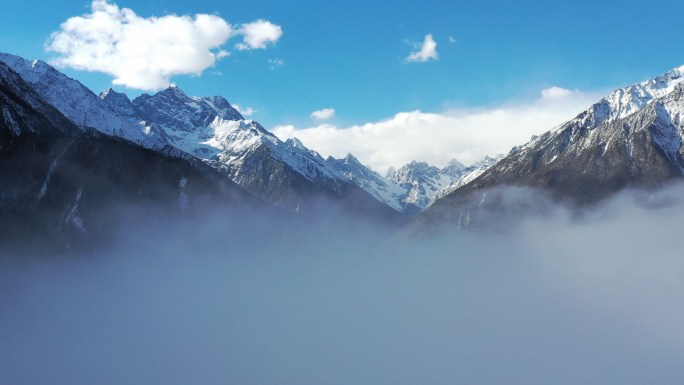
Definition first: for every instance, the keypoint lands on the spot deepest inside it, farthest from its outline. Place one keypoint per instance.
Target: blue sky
(350, 55)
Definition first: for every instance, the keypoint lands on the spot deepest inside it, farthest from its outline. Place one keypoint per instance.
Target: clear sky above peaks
(350, 55)
(350, 76)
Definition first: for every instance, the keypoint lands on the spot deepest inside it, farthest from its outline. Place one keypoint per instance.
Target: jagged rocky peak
(390, 172)
(352, 167)
(454, 167)
(223, 108)
(351, 160)
(173, 109)
(296, 146)
(626, 101)
(295, 143)
(487, 161)
(381, 188)
(412, 171)
(118, 102)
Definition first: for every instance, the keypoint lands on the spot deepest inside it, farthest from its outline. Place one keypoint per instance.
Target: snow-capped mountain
(63, 185)
(286, 174)
(209, 128)
(624, 102)
(79, 104)
(381, 188)
(411, 188)
(421, 182)
(468, 174)
(631, 138)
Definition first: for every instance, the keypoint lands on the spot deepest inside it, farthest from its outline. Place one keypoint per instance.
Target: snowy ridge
(172, 109)
(23, 111)
(211, 129)
(421, 182)
(381, 188)
(414, 186)
(632, 138)
(469, 174)
(619, 105)
(79, 104)
(627, 101)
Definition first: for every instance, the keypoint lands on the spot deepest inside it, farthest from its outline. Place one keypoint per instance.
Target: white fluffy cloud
(259, 34)
(324, 114)
(427, 51)
(464, 134)
(143, 53)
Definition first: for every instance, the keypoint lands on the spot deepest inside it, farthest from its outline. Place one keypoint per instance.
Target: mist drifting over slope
(596, 298)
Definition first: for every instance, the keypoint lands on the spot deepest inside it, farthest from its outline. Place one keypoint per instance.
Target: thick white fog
(596, 298)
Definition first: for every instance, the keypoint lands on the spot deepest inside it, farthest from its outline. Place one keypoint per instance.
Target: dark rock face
(117, 102)
(63, 187)
(24, 112)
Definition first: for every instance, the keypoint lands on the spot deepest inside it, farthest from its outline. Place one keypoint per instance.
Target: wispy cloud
(464, 134)
(144, 53)
(276, 63)
(427, 51)
(244, 111)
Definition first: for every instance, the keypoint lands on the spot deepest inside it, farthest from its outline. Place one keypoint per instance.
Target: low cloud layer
(464, 134)
(558, 299)
(144, 53)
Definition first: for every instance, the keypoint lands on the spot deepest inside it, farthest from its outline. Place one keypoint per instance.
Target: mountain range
(282, 173)
(202, 149)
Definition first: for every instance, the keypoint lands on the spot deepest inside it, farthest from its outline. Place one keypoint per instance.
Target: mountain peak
(454, 167)
(223, 108)
(390, 172)
(106, 92)
(351, 159)
(118, 102)
(109, 93)
(455, 163)
(415, 165)
(173, 90)
(294, 142)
